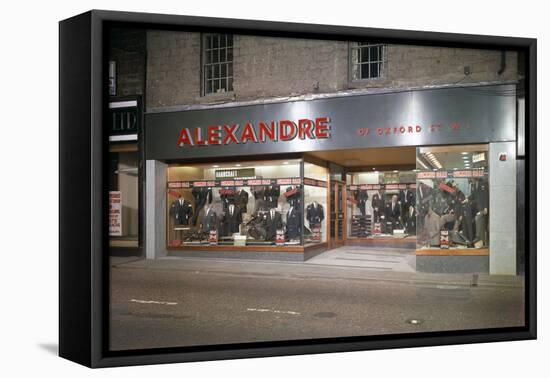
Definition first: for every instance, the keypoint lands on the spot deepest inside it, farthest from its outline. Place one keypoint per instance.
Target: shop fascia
(273, 131)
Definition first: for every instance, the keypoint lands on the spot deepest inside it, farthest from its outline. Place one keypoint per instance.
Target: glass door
(337, 207)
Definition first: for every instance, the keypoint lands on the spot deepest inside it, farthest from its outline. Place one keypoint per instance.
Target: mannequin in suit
(232, 219)
(210, 220)
(181, 211)
(202, 197)
(315, 214)
(293, 223)
(241, 199)
(393, 212)
(362, 196)
(273, 221)
(377, 206)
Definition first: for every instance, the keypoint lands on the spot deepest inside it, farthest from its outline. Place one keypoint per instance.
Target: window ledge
(215, 98)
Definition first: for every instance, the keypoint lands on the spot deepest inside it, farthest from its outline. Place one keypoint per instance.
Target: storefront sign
(282, 131)
(234, 173)
(115, 213)
(410, 118)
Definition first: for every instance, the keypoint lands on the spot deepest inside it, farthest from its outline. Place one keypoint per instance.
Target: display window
(247, 203)
(124, 196)
(453, 197)
(382, 204)
(315, 203)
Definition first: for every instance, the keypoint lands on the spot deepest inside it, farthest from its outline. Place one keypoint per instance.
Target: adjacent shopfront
(432, 170)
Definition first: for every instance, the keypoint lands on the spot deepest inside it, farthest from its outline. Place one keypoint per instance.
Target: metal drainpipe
(502, 63)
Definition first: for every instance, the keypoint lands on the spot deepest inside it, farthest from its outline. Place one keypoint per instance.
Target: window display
(453, 197)
(382, 204)
(260, 203)
(124, 196)
(315, 197)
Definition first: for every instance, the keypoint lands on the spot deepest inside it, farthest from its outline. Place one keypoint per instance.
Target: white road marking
(273, 311)
(153, 302)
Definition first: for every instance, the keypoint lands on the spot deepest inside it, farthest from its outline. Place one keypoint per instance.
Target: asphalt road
(153, 308)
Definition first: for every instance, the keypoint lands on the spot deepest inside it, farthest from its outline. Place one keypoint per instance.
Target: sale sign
(115, 213)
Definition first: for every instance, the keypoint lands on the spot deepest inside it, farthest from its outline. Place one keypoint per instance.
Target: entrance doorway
(337, 214)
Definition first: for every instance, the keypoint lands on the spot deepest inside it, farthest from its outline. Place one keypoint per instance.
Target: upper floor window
(368, 60)
(217, 69)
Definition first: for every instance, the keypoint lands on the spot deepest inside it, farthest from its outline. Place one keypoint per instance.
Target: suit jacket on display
(181, 211)
(377, 202)
(407, 198)
(232, 220)
(271, 196)
(293, 223)
(210, 221)
(241, 199)
(202, 196)
(315, 214)
(393, 211)
(273, 221)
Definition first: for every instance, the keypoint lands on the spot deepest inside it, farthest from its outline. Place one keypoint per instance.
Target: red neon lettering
(230, 134)
(184, 138)
(322, 128)
(214, 134)
(285, 133)
(248, 134)
(268, 131)
(198, 137)
(304, 129)
(418, 128)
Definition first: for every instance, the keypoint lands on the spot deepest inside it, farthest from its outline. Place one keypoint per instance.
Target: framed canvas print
(234, 188)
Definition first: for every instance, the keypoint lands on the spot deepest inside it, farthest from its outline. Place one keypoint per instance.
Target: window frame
(383, 64)
(203, 63)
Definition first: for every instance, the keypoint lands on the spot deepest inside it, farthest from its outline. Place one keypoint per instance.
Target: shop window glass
(315, 203)
(247, 203)
(453, 197)
(381, 204)
(123, 198)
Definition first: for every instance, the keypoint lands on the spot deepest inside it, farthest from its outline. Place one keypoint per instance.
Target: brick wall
(173, 68)
(267, 67)
(127, 49)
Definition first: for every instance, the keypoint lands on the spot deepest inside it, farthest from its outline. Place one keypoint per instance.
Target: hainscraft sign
(283, 130)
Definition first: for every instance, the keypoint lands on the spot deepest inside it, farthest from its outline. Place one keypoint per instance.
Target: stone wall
(267, 67)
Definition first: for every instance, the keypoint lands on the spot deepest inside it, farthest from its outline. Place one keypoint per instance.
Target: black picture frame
(83, 263)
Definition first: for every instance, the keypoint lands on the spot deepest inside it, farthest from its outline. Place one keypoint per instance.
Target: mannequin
(202, 197)
(181, 211)
(210, 220)
(273, 221)
(293, 223)
(232, 219)
(293, 197)
(315, 214)
(377, 206)
(362, 196)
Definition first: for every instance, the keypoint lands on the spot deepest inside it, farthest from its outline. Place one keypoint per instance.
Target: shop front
(431, 170)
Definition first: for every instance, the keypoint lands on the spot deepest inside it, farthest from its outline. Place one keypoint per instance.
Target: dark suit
(293, 223)
(315, 214)
(271, 196)
(272, 224)
(392, 213)
(210, 221)
(241, 199)
(181, 211)
(232, 220)
(362, 196)
(202, 196)
(377, 207)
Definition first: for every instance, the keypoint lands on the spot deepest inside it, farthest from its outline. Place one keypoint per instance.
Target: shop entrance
(337, 214)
